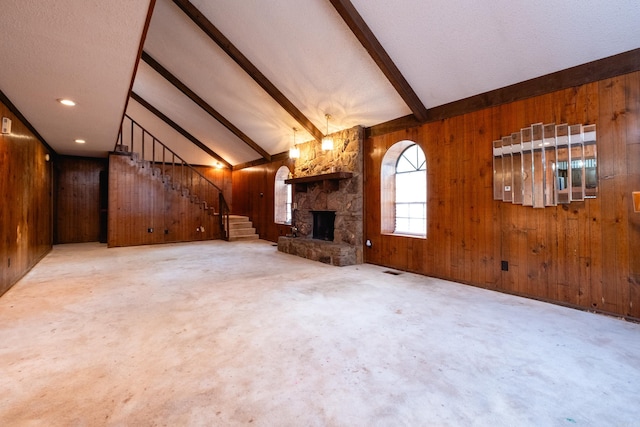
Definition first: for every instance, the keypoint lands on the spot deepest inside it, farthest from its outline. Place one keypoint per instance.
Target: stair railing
(187, 179)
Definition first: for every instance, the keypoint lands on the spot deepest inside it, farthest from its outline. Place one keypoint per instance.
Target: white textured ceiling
(453, 49)
(446, 49)
(154, 89)
(78, 49)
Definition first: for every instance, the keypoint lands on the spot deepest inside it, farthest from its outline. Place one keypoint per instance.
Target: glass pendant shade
(294, 151)
(327, 143)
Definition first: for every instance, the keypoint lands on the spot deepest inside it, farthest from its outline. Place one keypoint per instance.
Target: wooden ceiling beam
(225, 44)
(145, 31)
(369, 41)
(204, 105)
(179, 129)
(280, 157)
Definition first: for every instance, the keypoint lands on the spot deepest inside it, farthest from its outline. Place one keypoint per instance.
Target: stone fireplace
(328, 191)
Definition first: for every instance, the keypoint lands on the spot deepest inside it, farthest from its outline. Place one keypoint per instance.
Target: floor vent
(393, 273)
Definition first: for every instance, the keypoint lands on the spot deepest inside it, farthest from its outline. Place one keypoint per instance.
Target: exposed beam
(204, 105)
(369, 41)
(179, 129)
(143, 37)
(280, 157)
(205, 25)
(612, 66)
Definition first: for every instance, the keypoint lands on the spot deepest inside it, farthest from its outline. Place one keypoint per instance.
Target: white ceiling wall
(154, 89)
(310, 54)
(454, 49)
(446, 49)
(83, 50)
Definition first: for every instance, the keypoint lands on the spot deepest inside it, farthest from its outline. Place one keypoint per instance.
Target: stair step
(241, 228)
(240, 225)
(249, 237)
(242, 231)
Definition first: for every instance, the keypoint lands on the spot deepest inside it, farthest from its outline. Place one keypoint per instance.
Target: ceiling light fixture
(294, 152)
(80, 141)
(327, 141)
(67, 102)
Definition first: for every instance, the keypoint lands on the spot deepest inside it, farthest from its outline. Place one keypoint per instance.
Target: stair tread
(239, 225)
(242, 232)
(248, 237)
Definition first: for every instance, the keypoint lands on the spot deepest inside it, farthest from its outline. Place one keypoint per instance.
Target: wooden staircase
(241, 228)
(156, 197)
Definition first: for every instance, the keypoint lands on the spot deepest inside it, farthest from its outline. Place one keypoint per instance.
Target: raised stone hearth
(339, 254)
(329, 181)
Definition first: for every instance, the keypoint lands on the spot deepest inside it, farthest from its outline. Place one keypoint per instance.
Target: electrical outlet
(504, 265)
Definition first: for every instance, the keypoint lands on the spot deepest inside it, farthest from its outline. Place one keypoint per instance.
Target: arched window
(282, 197)
(403, 190)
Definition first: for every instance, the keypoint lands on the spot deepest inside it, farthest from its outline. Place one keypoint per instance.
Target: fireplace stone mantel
(330, 181)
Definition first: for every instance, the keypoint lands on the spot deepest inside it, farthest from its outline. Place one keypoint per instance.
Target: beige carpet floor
(217, 333)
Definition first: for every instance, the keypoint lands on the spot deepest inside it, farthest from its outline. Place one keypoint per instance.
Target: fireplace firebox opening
(323, 225)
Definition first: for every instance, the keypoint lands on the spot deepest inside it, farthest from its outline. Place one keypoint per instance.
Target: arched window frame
(282, 199)
(388, 193)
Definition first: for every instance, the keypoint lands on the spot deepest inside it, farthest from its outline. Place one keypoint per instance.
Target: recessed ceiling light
(80, 141)
(67, 102)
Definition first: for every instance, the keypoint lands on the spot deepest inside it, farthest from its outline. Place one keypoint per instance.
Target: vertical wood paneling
(78, 199)
(140, 201)
(253, 196)
(26, 184)
(579, 254)
(615, 253)
(632, 86)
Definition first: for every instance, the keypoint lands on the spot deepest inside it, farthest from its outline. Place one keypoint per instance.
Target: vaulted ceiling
(237, 76)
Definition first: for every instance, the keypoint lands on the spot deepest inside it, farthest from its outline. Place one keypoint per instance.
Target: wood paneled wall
(139, 202)
(26, 184)
(583, 254)
(80, 212)
(253, 196)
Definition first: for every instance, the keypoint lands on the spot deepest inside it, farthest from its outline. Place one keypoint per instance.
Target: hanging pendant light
(294, 151)
(327, 141)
